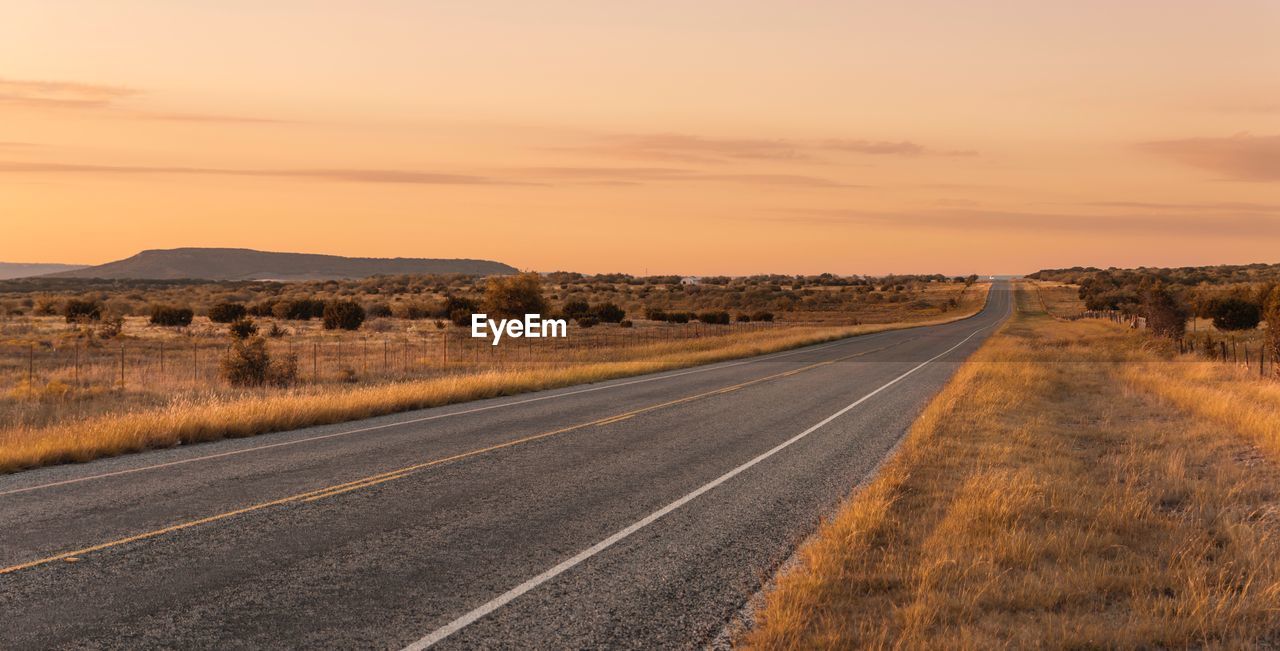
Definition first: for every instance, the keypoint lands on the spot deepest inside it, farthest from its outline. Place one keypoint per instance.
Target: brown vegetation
(1071, 488)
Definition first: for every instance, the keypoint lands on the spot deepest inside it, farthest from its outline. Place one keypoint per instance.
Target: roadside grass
(1047, 499)
(197, 418)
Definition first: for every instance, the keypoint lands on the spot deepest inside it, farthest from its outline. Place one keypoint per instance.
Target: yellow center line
(373, 480)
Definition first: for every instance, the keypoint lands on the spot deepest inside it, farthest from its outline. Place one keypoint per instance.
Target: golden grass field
(1074, 486)
(179, 413)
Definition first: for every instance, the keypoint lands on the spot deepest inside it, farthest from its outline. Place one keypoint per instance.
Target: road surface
(639, 513)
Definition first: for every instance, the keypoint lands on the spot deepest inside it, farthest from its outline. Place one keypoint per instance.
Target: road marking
(564, 566)
(383, 477)
(665, 376)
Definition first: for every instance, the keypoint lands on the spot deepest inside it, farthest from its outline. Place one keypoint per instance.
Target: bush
(514, 296)
(170, 316)
(77, 310)
(742, 318)
(713, 317)
(762, 316)
(303, 309)
(244, 328)
(276, 331)
(459, 309)
(249, 364)
(461, 317)
(379, 311)
(587, 321)
(608, 313)
(413, 311)
(1165, 318)
(227, 312)
(1234, 314)
(347, 315)
(679, 317)
(575, 309)
(1272, 315)
(625, 323)
(655, 314)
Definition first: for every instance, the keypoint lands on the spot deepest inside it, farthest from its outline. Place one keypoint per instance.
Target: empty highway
(640, 513)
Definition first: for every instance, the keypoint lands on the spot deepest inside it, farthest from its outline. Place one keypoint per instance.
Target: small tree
(347, 315)
(77, 310)
(1234, 314)
(575, 309)
(170, 316)
(1165, 317)
(227, 312)
(608, 313)
(243, 328)
(514, 296)
(249, 364)
(1272, 315)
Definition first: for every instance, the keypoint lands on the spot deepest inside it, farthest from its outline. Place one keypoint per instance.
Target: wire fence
(183, 363)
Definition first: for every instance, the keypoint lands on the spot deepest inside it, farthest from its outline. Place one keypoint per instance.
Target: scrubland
(77, 409)
(1076, 485)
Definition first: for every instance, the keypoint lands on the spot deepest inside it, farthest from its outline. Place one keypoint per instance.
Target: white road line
(219, 455)
(506, 597)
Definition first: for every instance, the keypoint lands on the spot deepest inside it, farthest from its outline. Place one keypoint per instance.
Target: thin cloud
(60, 94)
(642, 175)
(344, 175)
(1202, 225)
(208, 117)
(684, 148)
(1243, 157)
(1196, 207)
(77, 95)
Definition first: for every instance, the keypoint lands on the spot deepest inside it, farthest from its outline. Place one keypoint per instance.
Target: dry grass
(1046, 499)
(194, 418)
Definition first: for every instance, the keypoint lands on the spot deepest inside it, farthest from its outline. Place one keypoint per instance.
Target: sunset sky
(708, 137)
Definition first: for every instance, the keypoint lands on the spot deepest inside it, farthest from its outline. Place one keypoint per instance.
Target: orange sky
(661, 137)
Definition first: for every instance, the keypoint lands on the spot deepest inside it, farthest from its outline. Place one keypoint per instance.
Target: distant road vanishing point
(641, 512)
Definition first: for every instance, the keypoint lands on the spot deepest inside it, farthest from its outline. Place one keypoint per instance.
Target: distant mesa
(10, 270)
(248, 264)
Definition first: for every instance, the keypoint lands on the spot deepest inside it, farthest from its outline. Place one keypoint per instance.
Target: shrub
(249, 364)
(625, 323)
(244, 328)
(679, 317)
(1272, 315)
(227, 312)
(1234, 314)
(378, 310)
(575, 309)
(347, 315)
(461, 317)
(77, 310)
(1165, 317)
(459, 309)
(276, 331)
(413, 311)
(762, 316)
(655, 314)
(587, 321)
(714, 317)
(608, 313)
(303, 309)
(514, 296)
(170, 316)
(743, 318)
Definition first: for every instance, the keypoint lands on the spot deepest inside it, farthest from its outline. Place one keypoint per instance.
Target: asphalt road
(639, 513)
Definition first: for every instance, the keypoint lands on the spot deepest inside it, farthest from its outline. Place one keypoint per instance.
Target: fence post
(122, 365)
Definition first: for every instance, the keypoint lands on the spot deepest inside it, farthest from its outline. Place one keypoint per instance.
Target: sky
(711, 137)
